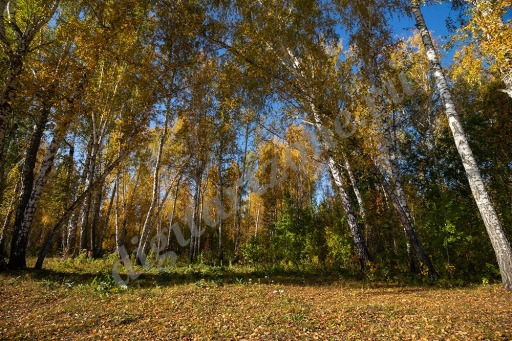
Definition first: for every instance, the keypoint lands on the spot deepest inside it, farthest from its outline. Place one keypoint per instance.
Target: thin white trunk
(118, 239)
(146, 228)
(42, 177)
(492, 223)
(194, 226)
(86, 208)
(355, 230)
(390, 136)
(360, 202)
(78, 201)
(199, 220)
(410, 232)
(105, 224)
(173, 211)
(162, 202)
(220, 253)
(257, 221)
(388, 146)
(240, 189)
(353, 182)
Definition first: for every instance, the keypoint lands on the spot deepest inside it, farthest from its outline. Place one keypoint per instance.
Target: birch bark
(239, 191)
(146, 229)
(355, 229)
(409, 229)
(496, 233)
(78, 201)
(30, 209)
(99, 248)
(17, 254)
(7, 219)
(15, 55)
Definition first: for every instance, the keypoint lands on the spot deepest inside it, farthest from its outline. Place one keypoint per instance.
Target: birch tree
(17, 40)
(155, 192)
(495, 230)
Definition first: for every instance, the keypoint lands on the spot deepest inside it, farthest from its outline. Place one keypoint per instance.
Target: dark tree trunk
(19, 239)
(410, 232)
(16, 52)
(78, 201)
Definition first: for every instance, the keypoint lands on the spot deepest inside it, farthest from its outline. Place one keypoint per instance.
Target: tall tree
(496, 233)
(155, 192)
(32, 191)
(17, 37)
(370, 33)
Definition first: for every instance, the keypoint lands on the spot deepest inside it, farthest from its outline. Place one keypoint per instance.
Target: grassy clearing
(77, 299)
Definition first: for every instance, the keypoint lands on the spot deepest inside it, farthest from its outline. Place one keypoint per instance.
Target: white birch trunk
(220, 253)
(16, 51)
(126, 205)
(240, 189)
(118, 236)
(492, 223)
(355, 230)
(173, 212)
(257, 221)
(161, 204)
(192, 220)
(78, 201)
(390, 134)
(410, 232)
(388, 146)
(154, 194)
(15, 56)
(360, 201)
(42, 177)
(7, 219)
(105, 225)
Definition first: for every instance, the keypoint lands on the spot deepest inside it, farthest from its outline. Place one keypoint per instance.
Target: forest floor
(73, 301)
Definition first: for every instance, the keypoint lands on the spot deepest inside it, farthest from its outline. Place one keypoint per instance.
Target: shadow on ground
(184, 276)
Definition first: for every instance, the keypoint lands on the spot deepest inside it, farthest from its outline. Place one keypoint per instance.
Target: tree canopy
(300, 132)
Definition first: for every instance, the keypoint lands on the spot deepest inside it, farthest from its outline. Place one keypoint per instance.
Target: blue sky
(435, 18)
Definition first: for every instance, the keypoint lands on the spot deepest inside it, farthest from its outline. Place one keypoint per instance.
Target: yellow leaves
(489, 37)
(468, 66)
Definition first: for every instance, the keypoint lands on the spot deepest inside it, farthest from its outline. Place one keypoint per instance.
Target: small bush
(253, 252)
(103, 284)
